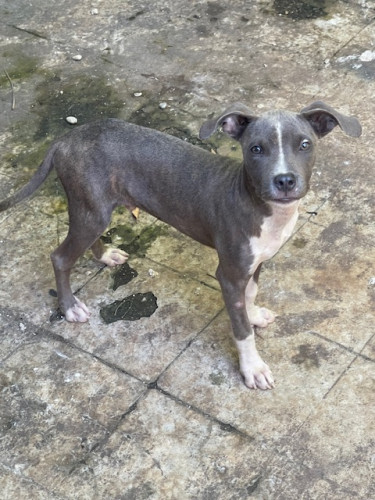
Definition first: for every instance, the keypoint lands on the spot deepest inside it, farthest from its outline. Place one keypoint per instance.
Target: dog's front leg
(258, 316)
(254, 370)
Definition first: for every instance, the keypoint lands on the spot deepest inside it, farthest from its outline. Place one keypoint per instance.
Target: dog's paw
(258, 376)
(254, 370)
(78, 313)
(113, 257)
(260, 316)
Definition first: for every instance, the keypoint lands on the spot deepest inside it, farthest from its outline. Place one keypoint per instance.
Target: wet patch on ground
(310, 355)
(134, 244)
(299, 242)
(85, 97)
(23, 159)
(151, 115)
(291, 324)
(217, 378)
(20, 66)
(22, 153)
(131, 308)
(305, 9)
(123, 276)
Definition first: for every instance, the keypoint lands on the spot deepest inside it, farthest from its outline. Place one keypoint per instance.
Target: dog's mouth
(285, 201)
(282, 197)
(284, 204)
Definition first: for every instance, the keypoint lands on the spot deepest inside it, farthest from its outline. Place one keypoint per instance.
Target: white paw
(260, 316)
(254, 370)
(77, 313)
(113, 257)
(258, 376)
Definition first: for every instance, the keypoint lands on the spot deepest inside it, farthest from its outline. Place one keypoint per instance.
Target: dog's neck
(282, 213)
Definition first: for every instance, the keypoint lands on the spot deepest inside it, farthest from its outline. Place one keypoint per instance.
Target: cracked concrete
(155, 408)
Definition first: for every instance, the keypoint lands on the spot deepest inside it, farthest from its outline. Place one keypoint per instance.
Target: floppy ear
(233, 121)
(323, 119)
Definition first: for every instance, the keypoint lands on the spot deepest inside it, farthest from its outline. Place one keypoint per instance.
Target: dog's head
(279, 146)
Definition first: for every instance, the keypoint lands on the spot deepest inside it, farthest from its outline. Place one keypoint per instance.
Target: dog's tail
(36, 180)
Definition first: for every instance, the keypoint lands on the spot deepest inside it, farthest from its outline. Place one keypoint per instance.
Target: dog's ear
(323, 119)
(233, 122)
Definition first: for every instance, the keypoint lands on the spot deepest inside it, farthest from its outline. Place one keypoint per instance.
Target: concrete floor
(155, 408)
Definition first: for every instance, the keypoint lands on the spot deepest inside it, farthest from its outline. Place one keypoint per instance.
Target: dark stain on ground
(302, 9)
(25, 160)
(123, 275)
(217, 378)
(310, 355)
(319, 292)
(123, 231)
(290, 324)
(214, 10)
(142, 242)
(135, 244)
(299, 242)
(88, 98)
(334, 240)
(150, 115)
(22, 66)
(131, 308)
(333, 232)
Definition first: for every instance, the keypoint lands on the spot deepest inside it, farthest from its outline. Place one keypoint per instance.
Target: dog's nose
(285, 182)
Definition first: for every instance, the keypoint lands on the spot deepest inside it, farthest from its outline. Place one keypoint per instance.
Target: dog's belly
(198, 230)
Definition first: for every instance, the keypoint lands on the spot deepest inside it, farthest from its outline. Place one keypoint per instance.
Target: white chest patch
(275, 231)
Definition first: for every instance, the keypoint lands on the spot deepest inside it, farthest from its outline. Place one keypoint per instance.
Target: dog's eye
(257, 150)
(305, 145)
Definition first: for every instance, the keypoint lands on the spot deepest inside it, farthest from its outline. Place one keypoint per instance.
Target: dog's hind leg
(108, 255)
(84, 232)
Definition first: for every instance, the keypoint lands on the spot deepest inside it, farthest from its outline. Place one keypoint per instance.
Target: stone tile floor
(155, 408)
